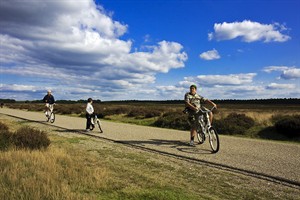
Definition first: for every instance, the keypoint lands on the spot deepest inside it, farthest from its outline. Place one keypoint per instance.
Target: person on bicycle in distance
(49, 100)
(89, 114)
(193, 102)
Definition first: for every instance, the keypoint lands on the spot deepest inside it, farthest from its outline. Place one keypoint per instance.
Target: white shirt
(89, 108)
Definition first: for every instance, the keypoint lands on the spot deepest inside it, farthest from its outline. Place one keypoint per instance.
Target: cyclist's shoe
(192, 144)
(87, 130)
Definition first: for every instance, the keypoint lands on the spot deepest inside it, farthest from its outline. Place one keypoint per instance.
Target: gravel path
(277, 159)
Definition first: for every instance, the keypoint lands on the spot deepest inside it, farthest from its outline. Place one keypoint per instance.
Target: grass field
(77, 167)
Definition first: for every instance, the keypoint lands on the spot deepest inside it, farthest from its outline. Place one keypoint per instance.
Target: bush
(289, 126)
(5, 136)
(29, 138)
(173, 120)
(234, 124)
(140, 112)
(3, 126)
(136, 112)
(276, 118)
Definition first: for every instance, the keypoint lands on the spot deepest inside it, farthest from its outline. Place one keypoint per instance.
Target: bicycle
(97, 121)
(204, 129)
(50, 115)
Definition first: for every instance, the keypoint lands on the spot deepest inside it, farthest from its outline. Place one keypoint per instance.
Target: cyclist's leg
(88, 121)
(46, 109)
(211, 117)
(193, 131)
(51, 107)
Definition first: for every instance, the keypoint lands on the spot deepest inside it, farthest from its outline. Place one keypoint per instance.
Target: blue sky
(149, 50)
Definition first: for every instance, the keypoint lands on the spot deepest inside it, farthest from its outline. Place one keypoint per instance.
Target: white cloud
(77, 44)
(17, 87)
(274, 86)
(287, 72)
(230, 79)
(210, 55)
(292, 73)
(270, 69)
(249, 31)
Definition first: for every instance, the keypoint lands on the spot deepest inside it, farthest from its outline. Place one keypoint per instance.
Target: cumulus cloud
(210, 55)
(230, 79)
(77, 44)
(249, 31)
(292, 73)
(274, 86)
(270, 69)
(286, 72)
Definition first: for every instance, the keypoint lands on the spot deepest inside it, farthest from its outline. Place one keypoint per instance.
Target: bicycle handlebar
(207, 111)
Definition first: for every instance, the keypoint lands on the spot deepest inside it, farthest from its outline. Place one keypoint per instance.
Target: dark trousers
(89, 120)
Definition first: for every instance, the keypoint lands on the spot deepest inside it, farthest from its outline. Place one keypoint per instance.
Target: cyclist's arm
(191, 106)
(211, 103)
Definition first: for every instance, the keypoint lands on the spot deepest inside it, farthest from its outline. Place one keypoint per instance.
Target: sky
(149, 49)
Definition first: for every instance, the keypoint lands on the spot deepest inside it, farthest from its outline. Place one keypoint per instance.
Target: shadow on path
(172, 144)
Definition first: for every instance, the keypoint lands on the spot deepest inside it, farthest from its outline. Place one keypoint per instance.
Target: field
(77, 167)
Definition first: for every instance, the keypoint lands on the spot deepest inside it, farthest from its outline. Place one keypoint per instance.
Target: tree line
(218, 101)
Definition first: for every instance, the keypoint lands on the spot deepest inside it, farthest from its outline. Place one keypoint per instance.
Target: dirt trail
(268, 157)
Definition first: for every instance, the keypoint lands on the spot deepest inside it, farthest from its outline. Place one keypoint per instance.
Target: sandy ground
(277, 159)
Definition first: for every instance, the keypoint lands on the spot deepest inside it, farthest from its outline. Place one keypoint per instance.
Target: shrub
(153, 113)
(137, 112)
(173, 120)
(289, 126)
(29, 138)
(234, 124)
(3, 126)
(276, 118)
(5, 136)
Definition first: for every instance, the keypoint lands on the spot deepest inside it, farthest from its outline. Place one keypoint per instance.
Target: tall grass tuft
(55, 174)
(27, 137)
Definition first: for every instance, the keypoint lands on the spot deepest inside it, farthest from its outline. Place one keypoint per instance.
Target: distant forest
(219, 101)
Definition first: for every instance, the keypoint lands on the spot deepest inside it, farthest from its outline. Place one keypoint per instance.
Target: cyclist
(193, 102)
(89, 114)
(49, 100)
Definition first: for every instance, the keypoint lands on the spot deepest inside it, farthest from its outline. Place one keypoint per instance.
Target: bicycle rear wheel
(52, 117)
(213, 140)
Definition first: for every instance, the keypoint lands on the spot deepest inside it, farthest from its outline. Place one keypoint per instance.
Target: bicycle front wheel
(52, 117)
(214, 140)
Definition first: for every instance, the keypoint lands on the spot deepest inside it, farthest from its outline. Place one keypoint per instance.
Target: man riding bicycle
(193, 103)
(49, 100)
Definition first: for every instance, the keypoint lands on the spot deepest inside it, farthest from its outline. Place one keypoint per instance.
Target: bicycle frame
(205, 129)
(203, 120)
(49, 113)
(97, 121)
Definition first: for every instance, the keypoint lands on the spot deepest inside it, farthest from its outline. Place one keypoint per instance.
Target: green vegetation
(234, 123)
(24, 138)
(289, 126)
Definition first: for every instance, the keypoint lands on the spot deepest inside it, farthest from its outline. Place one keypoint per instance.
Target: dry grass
(52, 174)
(77, 167)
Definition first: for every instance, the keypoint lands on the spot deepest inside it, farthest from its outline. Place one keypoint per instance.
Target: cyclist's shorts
(192, 121)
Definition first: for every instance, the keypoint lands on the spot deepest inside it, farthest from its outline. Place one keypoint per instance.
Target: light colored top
(89, 108)
(196, 99)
